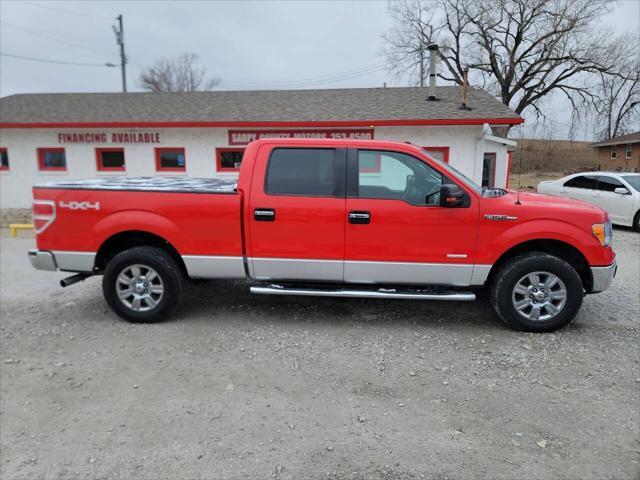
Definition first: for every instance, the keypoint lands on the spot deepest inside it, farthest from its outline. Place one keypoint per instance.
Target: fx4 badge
(79, 205)
(499, 217)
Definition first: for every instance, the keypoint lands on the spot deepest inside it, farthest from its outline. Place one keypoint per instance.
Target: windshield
(457, 173)
(633, 180)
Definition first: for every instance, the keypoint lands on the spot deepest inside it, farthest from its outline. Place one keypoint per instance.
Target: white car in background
(616, 192)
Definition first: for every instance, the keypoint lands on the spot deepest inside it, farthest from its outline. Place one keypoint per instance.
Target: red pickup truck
(333, 218)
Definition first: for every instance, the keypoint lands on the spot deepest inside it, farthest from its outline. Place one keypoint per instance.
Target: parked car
(617, 192)
(332, 218)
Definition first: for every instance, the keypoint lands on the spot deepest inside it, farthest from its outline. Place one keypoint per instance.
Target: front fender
(540, 229)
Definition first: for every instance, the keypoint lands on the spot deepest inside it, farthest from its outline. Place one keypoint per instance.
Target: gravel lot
(237, 386)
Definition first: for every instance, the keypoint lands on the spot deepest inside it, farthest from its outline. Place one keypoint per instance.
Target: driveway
(241, 386)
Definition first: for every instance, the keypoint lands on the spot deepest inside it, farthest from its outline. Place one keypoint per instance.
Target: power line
(336, 77)
(71, 12)
(47, 37)
(34, 59)
(323, 77)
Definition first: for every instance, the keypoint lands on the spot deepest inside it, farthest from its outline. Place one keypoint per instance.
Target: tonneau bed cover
(149, 184)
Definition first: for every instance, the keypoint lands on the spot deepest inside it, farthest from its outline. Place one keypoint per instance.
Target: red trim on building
(332, 123)
(443, 150)
(506, 186)
(4, 168)
(160, 168)
(41, 154)
(102, 168)
(219, 152)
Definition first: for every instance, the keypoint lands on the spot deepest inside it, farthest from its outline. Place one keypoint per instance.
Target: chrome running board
(380, 293)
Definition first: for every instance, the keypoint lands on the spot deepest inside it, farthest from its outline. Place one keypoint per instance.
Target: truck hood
(539, 206)
(544, 200)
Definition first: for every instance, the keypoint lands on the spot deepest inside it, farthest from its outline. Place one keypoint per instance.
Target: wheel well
(562, 250)
(125, 240)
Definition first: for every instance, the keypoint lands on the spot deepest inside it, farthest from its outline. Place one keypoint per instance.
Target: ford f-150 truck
(370, 219)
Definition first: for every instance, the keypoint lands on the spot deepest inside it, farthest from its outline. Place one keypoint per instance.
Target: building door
(297, 214)
(489, 170)
(396, 230)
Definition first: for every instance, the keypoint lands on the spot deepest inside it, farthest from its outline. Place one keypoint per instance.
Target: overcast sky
(249, 45)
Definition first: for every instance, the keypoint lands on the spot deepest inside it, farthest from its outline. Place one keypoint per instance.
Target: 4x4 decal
(73, 205)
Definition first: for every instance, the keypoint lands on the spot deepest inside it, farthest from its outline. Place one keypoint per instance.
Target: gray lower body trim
(403, 273)
(455, 274)
(74, 261)
(602, 277)
(42, 260)
(480, 274)
(297, 269)
(205, 266)
(62, 260)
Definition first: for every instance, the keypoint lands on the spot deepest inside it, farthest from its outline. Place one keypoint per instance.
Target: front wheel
(537, 292)
(142, 284)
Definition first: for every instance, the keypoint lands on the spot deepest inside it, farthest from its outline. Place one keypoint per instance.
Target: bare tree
(177, 74)
(616, 97)
(520, 50)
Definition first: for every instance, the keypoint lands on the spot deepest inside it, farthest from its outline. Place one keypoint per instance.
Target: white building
(46, 137)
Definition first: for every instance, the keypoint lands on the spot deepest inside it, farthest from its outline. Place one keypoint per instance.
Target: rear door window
(301, 171)
(582, 181)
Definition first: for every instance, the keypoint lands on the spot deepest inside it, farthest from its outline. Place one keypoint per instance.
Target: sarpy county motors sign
(244, 137)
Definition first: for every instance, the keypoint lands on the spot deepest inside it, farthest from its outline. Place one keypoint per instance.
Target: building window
(627, 151)
(489, 170)
(440, 153)
(170, 160)
(52, 160)
(110, 159)
(229, 159)
(613, 151)
(369, 162)
(4, 159)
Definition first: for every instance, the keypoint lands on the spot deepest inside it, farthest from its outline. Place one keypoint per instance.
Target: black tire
(511, 273)
(636, 221)
(169, 277)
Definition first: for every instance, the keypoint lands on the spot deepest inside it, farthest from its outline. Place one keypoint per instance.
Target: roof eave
(610, 144)
(330, 123)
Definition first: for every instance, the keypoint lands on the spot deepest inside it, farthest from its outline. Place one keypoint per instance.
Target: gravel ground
(237, 386)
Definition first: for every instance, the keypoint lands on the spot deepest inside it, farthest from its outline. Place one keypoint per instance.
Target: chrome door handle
(264, 215)
(359, 217)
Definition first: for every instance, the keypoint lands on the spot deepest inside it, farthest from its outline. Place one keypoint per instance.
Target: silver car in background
(616, 192)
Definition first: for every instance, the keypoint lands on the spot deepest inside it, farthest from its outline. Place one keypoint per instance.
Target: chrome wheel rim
(539, 296)
(139, 288)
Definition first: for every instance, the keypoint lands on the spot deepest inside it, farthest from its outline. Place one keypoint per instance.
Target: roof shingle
(356, 104)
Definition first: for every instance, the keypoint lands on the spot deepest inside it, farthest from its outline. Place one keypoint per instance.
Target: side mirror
(621, 191)
(452, 196)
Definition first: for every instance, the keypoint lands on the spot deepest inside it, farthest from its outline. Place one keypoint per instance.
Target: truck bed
(149, 184)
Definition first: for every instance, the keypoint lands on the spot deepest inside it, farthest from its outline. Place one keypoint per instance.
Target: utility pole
(119, 31)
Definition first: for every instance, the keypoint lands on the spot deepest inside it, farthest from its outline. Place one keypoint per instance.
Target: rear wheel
(142, 284)
(537, 292)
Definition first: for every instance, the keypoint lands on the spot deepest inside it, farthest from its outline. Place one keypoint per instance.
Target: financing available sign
(244, 137)
(117, 138)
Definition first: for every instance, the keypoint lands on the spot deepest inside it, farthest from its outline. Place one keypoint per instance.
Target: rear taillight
(44, 213)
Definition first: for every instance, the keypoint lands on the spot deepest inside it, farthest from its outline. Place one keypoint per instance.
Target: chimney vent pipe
(433, 53)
